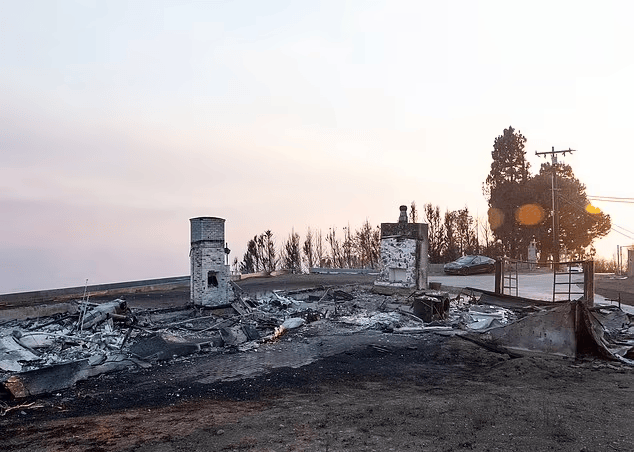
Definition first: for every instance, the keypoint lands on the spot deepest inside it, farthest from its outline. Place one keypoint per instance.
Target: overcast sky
(119, 121)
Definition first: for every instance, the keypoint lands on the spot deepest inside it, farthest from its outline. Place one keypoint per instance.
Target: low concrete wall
(146, 285)
(39, 310)
(353, 271)
(436, 269)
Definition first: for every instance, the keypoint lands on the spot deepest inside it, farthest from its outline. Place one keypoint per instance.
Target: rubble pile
(483, 317)
(91, 333)
(46, 354)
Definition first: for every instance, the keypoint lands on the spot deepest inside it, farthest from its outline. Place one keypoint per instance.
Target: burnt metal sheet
(604, 346)
(552, 332)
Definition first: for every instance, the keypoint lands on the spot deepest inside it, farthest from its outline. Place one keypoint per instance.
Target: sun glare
(529, 214)
(496, 218)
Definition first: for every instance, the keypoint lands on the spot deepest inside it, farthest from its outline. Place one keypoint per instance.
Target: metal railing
(562, 279)
(510, 278)
(507, 281)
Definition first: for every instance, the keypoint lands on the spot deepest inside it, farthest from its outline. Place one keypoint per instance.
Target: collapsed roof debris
(51, 353)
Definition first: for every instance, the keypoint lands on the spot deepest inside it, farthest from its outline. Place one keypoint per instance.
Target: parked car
(467, 265)
(575, 268)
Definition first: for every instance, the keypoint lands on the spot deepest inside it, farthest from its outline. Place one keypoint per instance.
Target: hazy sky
(119, 121)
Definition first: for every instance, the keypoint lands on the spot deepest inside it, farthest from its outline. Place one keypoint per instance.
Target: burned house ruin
(210, 276)
(404, 259)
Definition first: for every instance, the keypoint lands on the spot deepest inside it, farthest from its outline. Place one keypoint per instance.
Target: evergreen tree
(520, 205)
(509, 160)
(506, 188)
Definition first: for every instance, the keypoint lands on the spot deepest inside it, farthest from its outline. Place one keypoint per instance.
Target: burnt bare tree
(488, 243)
(336, 253)
(367, 243)
(450, 248)
(309, 249)
(413, 213)
(466, 234)
(485, 234)
(252, 260)
(270, 262)
(291, 254)
(436, 232)
(348, 248)
(319, 249)
(248, 261)
(357, 248)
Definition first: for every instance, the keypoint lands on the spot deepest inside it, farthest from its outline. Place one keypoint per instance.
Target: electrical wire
(572, 203)
(616, 199)
(612, 199)
(623, 234)
(612, 225)
(626, 230)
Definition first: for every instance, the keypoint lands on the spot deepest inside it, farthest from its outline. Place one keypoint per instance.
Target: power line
(612, 199)
(616, 199)
(626, 230)
(612, 225)
(623, 234)
(631, 232)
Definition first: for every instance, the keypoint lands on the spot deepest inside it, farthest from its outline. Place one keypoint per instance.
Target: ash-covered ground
(366, 377)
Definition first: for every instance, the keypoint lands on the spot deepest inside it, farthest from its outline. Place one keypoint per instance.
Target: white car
(576, 268)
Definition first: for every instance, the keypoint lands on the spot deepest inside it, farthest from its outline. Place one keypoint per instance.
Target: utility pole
(555, 200)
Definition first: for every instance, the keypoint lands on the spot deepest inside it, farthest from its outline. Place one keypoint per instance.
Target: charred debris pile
(47, 354)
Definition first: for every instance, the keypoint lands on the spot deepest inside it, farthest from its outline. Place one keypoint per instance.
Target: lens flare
(496, 218)
(593, 210)
(529, 214)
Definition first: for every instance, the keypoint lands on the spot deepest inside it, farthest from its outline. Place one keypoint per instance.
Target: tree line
(451, 234)
(520, 210)
(456, 233)
(351, 249)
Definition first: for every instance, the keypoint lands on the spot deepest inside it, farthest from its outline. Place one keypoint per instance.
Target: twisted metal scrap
(4, 408)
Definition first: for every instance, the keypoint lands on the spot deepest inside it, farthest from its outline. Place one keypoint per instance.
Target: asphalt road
(537, 286)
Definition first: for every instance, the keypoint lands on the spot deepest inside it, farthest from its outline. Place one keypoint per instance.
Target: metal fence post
(499, 276)
(588, 283)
